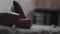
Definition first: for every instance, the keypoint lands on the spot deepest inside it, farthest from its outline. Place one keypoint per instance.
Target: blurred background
(41, 12)
(35, 15)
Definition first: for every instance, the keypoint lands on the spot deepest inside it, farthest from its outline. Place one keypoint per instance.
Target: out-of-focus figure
(23, 21)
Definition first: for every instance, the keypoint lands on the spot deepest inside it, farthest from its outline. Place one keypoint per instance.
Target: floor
(45, 27)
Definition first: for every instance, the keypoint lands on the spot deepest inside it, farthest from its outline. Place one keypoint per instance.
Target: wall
(25, 4)
(4, 5)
